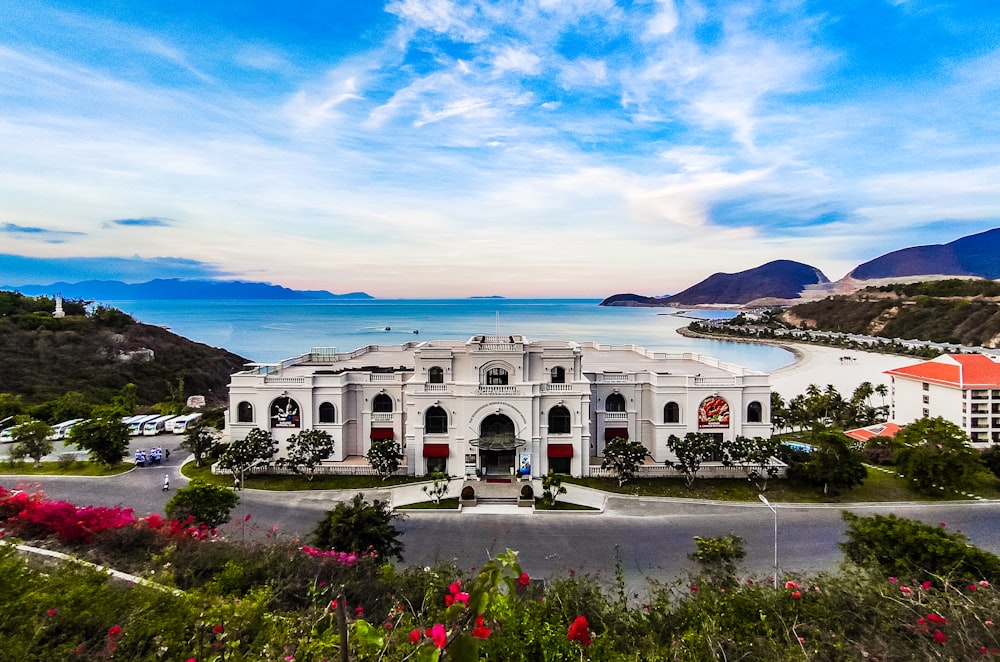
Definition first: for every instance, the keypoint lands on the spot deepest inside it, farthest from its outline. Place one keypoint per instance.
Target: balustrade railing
(382, 416)
(497, 390)
(616, 415)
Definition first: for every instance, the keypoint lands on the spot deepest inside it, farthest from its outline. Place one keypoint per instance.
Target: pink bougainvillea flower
(984, 583)
(906, 589)
(926, 585)
(972, 587)
(796, 595)
(52, 612)
(989, 624)
(481, 631)
(893, 580)
(449, 600)
(791, 585)
(523, 580)
(217, 629)
(942, 524)
(414, 636)
(454, 587)
(937, 618)
(694, 589)
(439, 636)
(246, 518)
(333, 604)
(579, 631)
(463, 598)
(939, 636)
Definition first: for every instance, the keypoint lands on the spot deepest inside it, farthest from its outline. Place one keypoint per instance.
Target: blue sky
(535, 148)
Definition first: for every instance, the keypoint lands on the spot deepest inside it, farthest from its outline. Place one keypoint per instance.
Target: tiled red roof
(959, 370)
(878, 430)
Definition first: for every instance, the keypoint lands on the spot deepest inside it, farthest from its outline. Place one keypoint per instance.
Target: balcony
(382, 416)
(435, 388)
(715, 382)
(557, 388)
(284, 381)
(383, 377)
(505, 389)
(614, 378)
(616, 416)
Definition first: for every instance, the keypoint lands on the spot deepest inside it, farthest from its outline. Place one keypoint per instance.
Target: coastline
(844, 369)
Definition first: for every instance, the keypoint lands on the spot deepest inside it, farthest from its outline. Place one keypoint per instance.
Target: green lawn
(291, 483)
(444, 504)
(60, 468)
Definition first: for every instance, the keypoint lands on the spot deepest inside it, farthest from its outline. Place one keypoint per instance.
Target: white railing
(321, 470)
(497, 347)
(382, 377)
(556, 388)
(616, 415)
(285, 381)
(663, 471)
(714, 381)
(603, 378)
(382, 416)
(497, 390)
(435, 388)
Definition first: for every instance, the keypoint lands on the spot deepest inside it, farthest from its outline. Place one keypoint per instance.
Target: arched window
(496, 377)
(559, 420)
(435, 420)
(615, 402)
(435, 375)
(755, 413)
(671, 413)
(558, 375)
(244, 412)
(327, 413)
(382, 403)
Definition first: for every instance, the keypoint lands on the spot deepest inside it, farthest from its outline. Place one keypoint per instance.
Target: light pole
(775, 511)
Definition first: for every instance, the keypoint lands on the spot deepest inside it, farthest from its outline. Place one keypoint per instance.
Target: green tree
(122, 403)
(552, 487)
(199, 440)
(624, 458)
(207, 503)
(106, 439)
(991, 458)
(719, 556)
(385, 456)
(31, 439)
(935, 454)
(756, 457)
(438, 488)
(902, 547)
(71, 404)
(833, 462)
(257, 447)
(305, 450)
(361, 527)
(10, 405)
(690, 451)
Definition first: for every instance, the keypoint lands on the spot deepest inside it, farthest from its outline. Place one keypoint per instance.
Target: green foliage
(305, 450)
(935, 454)
(991, 458)
(385, 456)
(552, 487)
(623, 457)
(206, 503)
(719, 556)
(105, 439)
(255, 448)
(833, 463)
(31, 439)
(907, 548)
(360, 527)
(199, 439)
(755, 457)
(438, 488)
(690, 451)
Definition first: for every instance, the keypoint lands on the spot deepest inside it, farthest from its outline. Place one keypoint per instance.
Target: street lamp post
(775, 511)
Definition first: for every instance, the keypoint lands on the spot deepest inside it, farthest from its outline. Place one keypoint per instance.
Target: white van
(184, 422)
(135, 427)
(156, 425)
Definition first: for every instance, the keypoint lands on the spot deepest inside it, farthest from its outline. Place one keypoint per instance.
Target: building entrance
(498, 444)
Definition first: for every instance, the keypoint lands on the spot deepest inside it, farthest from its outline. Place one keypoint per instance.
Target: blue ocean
(269, 331)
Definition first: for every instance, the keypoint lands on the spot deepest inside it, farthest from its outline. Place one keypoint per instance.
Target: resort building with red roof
(961, 388)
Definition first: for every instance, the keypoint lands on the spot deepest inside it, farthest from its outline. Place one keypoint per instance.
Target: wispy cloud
(145, 222)
(38, 234)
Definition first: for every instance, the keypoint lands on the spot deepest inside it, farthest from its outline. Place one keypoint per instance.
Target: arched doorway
(498, 444)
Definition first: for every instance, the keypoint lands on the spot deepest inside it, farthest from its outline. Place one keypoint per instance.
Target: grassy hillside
(43, 357)
(953, 310)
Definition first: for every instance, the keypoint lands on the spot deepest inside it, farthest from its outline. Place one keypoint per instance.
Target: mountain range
(176, 289)
(785, 281)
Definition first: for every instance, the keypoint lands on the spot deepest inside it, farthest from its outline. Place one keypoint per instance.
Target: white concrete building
(492, 404)
(961, 388)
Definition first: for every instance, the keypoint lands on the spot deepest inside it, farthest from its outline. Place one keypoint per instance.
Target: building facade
(494, 404)
(961, 388)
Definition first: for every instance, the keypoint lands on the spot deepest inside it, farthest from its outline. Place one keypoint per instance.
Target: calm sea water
(268, 331)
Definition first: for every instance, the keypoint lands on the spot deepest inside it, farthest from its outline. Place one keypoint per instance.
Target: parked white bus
(135, 426)
(157, 425)
(181, 424)
(60, 430)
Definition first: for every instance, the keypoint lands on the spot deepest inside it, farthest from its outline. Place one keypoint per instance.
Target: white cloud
(519, 60)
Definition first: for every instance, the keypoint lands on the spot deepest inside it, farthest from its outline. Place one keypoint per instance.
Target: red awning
(560, 450)
(436, 450)
(383, 433)
(611, 433)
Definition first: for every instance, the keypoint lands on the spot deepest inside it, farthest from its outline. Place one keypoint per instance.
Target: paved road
(654, 536)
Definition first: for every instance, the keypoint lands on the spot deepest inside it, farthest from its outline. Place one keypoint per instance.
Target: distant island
(175, 289)
(491, 296)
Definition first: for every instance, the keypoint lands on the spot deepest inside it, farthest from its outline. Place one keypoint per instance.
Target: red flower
(454, 587)
(523, 580)
(937, 618)
(359, 611)
(439, 635)
(217, 629)
(52, 612)
(926, 585)
(796, 595)
(414, 636)
(972, 587)
(115, 631)
(579, 631)
(449, 600)
(480, 631)
(791, 585)
(694, 589)
(939, 636)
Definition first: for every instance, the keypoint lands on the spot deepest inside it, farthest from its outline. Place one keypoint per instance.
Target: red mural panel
(713, 412)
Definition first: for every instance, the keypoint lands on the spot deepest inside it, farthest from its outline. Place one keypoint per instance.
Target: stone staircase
(496, 492)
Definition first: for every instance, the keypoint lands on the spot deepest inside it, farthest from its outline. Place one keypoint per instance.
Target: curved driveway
(653, 535)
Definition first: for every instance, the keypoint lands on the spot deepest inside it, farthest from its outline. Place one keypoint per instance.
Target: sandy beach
(844, 368)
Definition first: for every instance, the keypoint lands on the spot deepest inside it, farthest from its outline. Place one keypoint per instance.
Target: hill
(97, 354)
(177, 289)
(947, 311)
(973, 255)
(781, 279)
